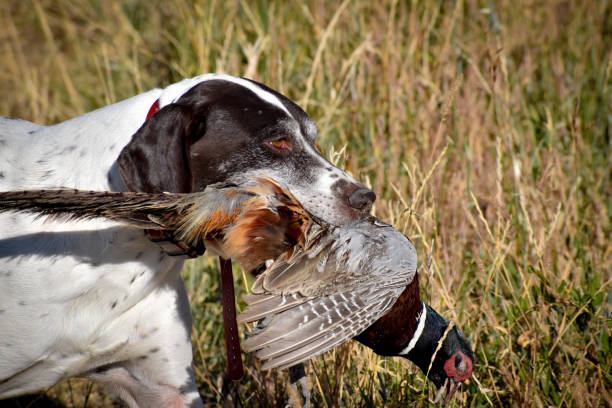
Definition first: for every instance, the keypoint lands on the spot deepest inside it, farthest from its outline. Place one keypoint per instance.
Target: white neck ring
(417, 332)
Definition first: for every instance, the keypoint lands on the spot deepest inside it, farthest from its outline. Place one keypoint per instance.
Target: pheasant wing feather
(339, 283)
(317, 325)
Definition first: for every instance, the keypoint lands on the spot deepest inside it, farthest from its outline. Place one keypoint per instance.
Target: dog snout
(362, 199)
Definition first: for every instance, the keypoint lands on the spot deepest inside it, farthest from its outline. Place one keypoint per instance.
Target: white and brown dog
(99, 300)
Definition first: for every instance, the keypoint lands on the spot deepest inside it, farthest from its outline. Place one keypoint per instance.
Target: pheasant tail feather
(138, 209)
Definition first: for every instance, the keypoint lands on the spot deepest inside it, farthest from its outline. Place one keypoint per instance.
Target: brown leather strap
(171, 246)
(232, 343)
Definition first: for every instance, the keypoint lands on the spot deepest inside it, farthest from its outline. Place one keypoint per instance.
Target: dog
(102, 301)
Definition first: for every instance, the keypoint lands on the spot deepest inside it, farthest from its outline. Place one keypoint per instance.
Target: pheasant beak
(449, 388)
(452, 389)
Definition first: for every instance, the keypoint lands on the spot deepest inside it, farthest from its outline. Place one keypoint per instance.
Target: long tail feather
(250, 223)
(142, 210)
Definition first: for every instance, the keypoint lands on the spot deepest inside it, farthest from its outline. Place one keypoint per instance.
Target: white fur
(79, 295)
(173, 92)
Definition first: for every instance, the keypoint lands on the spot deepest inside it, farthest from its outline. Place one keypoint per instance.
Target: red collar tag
(154, 108)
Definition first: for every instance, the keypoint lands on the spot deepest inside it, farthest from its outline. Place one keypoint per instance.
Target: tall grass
(483, 127)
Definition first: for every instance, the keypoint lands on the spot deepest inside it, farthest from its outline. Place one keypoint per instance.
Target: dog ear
(156, 159)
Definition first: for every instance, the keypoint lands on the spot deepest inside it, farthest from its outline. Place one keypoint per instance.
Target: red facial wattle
(458, 367)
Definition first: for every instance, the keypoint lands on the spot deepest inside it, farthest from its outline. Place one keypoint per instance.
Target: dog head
(220, 128)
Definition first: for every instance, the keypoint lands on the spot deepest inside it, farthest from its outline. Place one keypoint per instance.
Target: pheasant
(317, 285)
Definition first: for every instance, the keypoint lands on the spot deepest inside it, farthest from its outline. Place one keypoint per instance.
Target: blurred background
(483, 127)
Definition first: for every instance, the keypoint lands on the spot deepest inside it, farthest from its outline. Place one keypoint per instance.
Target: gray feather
(341, 282)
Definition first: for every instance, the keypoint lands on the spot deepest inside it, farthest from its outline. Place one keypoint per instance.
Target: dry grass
(483, 127)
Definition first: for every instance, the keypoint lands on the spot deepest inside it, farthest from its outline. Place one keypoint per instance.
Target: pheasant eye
(282, 144)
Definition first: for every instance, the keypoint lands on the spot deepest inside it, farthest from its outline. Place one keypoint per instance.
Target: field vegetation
(483, 126)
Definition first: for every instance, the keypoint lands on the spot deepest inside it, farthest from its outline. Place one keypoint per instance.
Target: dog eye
(282, 144)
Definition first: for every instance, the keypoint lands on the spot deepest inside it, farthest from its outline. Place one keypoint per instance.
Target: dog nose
(362, 199)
